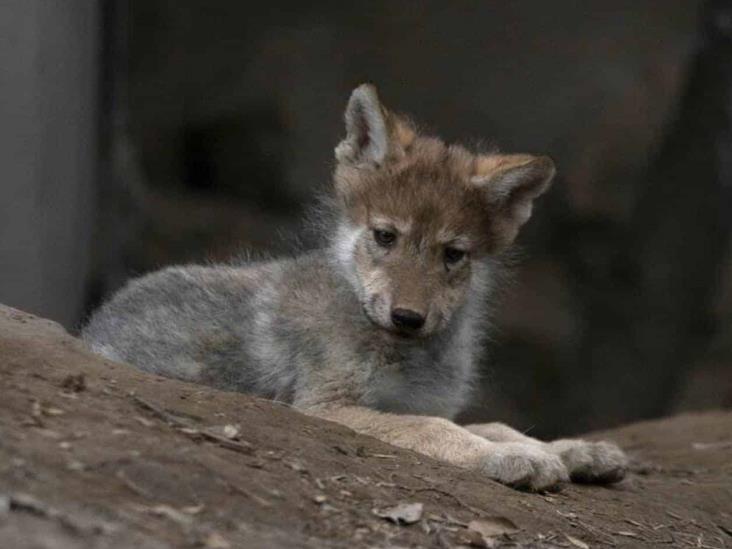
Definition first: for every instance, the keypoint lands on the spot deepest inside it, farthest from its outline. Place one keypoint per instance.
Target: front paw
(596, 462)
(524, 466)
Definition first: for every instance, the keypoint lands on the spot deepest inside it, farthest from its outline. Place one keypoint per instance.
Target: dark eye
(453, 255)
(384, 238)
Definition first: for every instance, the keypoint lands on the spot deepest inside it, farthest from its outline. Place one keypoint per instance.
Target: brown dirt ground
(97, 454)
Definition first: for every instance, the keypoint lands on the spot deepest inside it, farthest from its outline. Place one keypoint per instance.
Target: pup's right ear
(510, 184)
(373, 134)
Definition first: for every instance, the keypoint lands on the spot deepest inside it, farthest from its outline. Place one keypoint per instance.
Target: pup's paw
(597, 462)
(524, 466)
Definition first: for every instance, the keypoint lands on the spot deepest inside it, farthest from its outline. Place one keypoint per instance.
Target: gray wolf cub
(380, 329)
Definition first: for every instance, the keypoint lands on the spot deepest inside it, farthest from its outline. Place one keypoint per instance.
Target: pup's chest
(423, 385)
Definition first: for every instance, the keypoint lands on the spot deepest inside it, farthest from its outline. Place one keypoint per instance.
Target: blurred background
(139, 133)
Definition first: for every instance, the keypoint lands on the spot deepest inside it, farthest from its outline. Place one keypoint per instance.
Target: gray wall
(48, 94)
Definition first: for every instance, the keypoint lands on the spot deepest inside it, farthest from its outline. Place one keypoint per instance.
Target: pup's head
(421, 218)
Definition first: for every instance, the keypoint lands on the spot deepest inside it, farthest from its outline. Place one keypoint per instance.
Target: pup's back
(233, 327)
(165, 319)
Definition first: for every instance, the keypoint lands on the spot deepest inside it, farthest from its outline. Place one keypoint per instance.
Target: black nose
(404, 318)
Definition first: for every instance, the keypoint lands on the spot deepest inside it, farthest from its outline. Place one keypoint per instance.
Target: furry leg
(515, 464)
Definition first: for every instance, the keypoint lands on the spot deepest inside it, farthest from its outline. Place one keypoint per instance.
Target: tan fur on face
(410, 275)
(432, 195)
(432, 184)
(384, 162)
(402, 130)
(487, 165)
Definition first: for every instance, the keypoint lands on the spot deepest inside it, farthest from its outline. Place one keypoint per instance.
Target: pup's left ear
(510, 184)
(373, 134)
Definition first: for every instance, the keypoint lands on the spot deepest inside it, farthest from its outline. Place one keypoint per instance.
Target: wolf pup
(379, 330)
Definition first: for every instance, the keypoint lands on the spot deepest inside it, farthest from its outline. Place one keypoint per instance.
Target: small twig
(221, 479)
(574, 520)
(596, 531)
(187, 429)
(361, 452)
(459, 501)
(247, 494)
(29, 504)
(167, 417)
(134, 487)
(448, 520)
(241, 446)
(232, 485)
(636, 523)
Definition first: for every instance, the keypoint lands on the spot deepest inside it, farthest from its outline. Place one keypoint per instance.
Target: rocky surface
(96, 454)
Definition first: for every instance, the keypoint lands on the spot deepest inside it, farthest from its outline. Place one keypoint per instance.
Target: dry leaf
(75, 465)
(168, 512)
(231, 431)
(475, 539)
(144, 421)
(51, 411)
(493, 526)
(712, 445)
(403, 513)
(296, 466)
(576, 542)
(36, 410)
(216, 541)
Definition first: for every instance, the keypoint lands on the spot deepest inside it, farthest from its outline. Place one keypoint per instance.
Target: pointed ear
(510, 184)
(372, 133)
